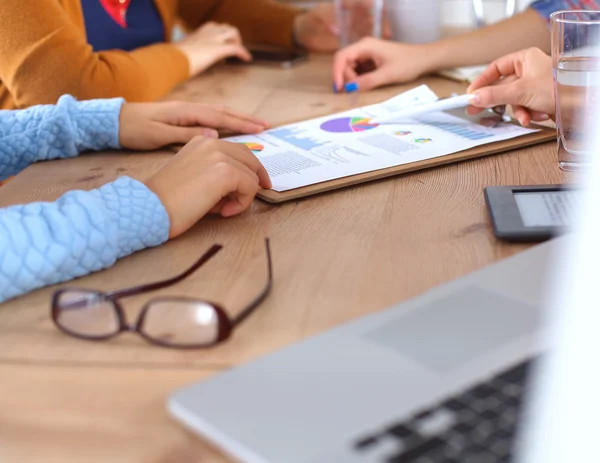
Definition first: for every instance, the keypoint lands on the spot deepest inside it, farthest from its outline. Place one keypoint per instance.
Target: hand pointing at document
(522, 80)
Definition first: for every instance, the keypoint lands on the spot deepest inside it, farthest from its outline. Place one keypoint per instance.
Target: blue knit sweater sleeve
(51, 132)
(83, 231)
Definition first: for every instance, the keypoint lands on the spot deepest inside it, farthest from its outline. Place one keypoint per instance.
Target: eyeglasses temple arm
(163, 284)
(264, 293)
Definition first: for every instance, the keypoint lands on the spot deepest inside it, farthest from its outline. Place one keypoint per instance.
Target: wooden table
(336, 257)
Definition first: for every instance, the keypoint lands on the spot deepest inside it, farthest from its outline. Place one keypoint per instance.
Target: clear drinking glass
(357, 19)
(576, 61)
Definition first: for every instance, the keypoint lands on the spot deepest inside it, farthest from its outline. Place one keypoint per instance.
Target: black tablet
(531, 213)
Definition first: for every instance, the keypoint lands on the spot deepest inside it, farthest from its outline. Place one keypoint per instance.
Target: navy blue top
(144, 26)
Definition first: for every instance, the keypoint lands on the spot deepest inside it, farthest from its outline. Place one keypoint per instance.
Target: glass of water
(357, 19)
(576, 60)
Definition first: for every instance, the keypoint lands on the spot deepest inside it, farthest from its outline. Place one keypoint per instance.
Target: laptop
(439, 378)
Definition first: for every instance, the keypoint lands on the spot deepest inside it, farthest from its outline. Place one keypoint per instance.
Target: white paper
(464, 74)
(346, 144)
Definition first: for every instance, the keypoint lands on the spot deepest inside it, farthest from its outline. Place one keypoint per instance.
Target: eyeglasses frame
(226, 324)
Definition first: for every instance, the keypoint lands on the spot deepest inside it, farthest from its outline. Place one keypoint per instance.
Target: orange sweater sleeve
(259, 21)
(44, 54)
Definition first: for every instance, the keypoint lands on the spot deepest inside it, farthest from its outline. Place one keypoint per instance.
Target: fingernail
(475, 99)
(211, 133)
(351, 87)
(543, 117)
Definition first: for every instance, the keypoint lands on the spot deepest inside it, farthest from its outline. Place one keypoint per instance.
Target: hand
(148, 126)
(211, 43)
(390, 63)
(522, 80)
(206, 176)
(318, 29)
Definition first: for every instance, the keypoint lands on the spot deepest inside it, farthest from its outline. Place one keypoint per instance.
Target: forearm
(482, 46)
(82, 232)
(56, 131)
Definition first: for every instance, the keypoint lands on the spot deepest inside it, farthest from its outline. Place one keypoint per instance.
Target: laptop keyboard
(477, 426)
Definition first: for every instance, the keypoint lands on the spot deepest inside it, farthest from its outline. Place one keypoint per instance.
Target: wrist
(434, 57)
(183, 49)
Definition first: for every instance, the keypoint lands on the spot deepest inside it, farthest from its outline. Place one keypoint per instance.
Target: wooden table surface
(336, 257)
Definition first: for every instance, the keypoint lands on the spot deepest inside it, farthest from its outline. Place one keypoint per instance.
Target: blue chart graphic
(459, 130)
(292, 137)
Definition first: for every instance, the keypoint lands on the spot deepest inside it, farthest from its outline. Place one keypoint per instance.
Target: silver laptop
(438, 379)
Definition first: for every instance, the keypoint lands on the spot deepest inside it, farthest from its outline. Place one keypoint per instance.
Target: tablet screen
(546, 208)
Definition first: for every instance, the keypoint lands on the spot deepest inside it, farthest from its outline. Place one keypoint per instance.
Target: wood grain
(337, 256)
(58, 414)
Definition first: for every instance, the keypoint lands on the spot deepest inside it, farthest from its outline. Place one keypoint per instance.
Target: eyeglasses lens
(181, 323)
(87, 313)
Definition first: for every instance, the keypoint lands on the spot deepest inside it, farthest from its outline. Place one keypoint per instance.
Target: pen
(460, 101)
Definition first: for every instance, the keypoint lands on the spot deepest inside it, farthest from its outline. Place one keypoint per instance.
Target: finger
(247, 117)
(240, 51)
(171, 134)
(240, 200)
(370, 80)
(342, 61)
(193, 114)
(522, 115)
(245, 169)
(242, 154)
(347, 58)
(217, 207)
(239, 194)
(227, 50)
(234, 35)
(537, 116)
(506, 66)
(224, 120)
(496, 95)
(349, 74)
(474, 110)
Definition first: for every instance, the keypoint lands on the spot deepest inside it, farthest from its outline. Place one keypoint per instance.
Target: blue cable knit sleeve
(82, 232)
(59, 131)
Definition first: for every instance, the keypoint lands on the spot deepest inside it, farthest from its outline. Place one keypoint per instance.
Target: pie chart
(348, 124)
(254, 147)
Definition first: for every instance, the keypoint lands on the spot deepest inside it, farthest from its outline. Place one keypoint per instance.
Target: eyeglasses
(176, 322)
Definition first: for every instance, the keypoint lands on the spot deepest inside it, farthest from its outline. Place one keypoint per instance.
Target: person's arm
(481, 46)
(87, 231)
(46, 55)
(259, 21)
(51, 132)
(80, 233)
(403, 62)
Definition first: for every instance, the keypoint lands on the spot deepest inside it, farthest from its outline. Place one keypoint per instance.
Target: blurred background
(455, 13)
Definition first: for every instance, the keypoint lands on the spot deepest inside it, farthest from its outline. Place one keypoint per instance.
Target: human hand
(522, 80)
(390, 62)
(148, 126)
(211, 43)
(208, 176)
(318, 29)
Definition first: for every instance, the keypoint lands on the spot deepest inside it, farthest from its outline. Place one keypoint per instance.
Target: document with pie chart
(330, 147)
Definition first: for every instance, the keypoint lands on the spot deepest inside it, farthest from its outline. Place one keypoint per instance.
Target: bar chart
(462, 130)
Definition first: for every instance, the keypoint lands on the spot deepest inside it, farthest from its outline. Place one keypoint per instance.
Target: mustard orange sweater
(44, 52)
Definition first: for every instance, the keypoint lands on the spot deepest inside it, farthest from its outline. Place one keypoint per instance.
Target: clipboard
(544, 135)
